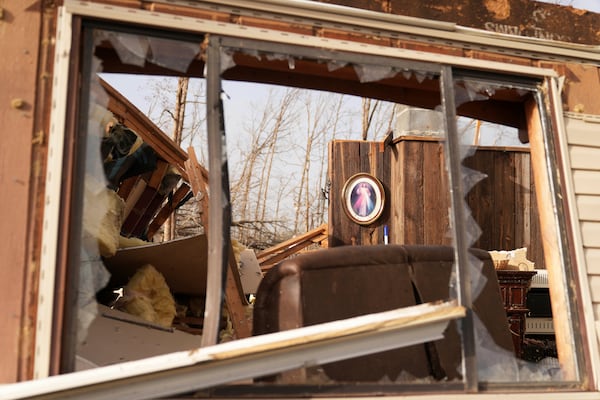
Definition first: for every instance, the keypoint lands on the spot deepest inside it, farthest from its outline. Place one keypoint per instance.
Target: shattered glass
(416, 181)
(113, 153)
(496, 363)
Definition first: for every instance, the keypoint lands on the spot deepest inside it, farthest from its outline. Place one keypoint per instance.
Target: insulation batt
(148, 296)
(125, 242)
(102, 217)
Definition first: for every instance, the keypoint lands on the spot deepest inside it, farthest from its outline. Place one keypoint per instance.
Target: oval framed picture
(363, 198)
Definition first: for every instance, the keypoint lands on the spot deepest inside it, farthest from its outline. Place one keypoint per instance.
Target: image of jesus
(362, 202)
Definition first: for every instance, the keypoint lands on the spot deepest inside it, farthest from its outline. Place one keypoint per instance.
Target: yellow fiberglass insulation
(148, 296)
(125, 242)
(102, 217)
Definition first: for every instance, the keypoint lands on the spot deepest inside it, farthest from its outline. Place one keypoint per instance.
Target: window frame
(63, 85)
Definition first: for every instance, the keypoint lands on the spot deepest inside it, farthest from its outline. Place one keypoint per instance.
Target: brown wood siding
(422, 190)
(21, 24)
(347, 158)
(502, 204)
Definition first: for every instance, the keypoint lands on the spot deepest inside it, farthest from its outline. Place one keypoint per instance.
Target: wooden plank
(535, 251)
(397, 227)
(472, 197)
(367, 235)
(346, 156)
(588, 207)
(335, 197)
(436, 222)
(130, 115)
(583, 157)
(198, 179)
(505, 200)
(127, 186)
(522, 200)
(167, 209)
(543, 189)
(137, 215)
(380, 170)
(413, 193)
(486, 201)
(481, 198)
(284, 249)
(134, 196)
(235, 298)
(241, 321)
(151, 210)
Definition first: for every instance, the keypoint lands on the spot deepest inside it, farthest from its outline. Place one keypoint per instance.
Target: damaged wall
(513, 17)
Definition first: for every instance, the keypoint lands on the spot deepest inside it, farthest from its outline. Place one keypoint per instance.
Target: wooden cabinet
(514, 286)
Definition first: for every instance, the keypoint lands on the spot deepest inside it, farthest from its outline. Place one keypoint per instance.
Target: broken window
(127, 177)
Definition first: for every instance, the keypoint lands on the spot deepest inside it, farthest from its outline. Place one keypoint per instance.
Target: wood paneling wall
(417, 197)
(504, 203)
(347, 158)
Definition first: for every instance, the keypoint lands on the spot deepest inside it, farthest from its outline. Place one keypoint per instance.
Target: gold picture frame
(363, 198)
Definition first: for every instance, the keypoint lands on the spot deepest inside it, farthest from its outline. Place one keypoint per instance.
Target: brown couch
(348, 281)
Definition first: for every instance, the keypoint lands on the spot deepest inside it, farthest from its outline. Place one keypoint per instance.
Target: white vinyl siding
(583, 136)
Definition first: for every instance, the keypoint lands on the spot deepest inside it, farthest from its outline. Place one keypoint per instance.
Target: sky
(591, 5)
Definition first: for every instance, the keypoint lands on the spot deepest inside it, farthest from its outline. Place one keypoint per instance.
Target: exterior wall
(20, 31)
(515, 17)
(26, 40)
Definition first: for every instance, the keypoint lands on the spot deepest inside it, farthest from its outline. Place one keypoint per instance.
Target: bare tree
(281, 126)
(250, 192)
(318, 123)
(178, 121)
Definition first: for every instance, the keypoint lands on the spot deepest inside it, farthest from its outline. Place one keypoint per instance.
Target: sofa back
(349, 281)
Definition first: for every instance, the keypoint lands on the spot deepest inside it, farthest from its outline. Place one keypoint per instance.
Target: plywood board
(115, 337)
(581, 88)
(183, 263)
